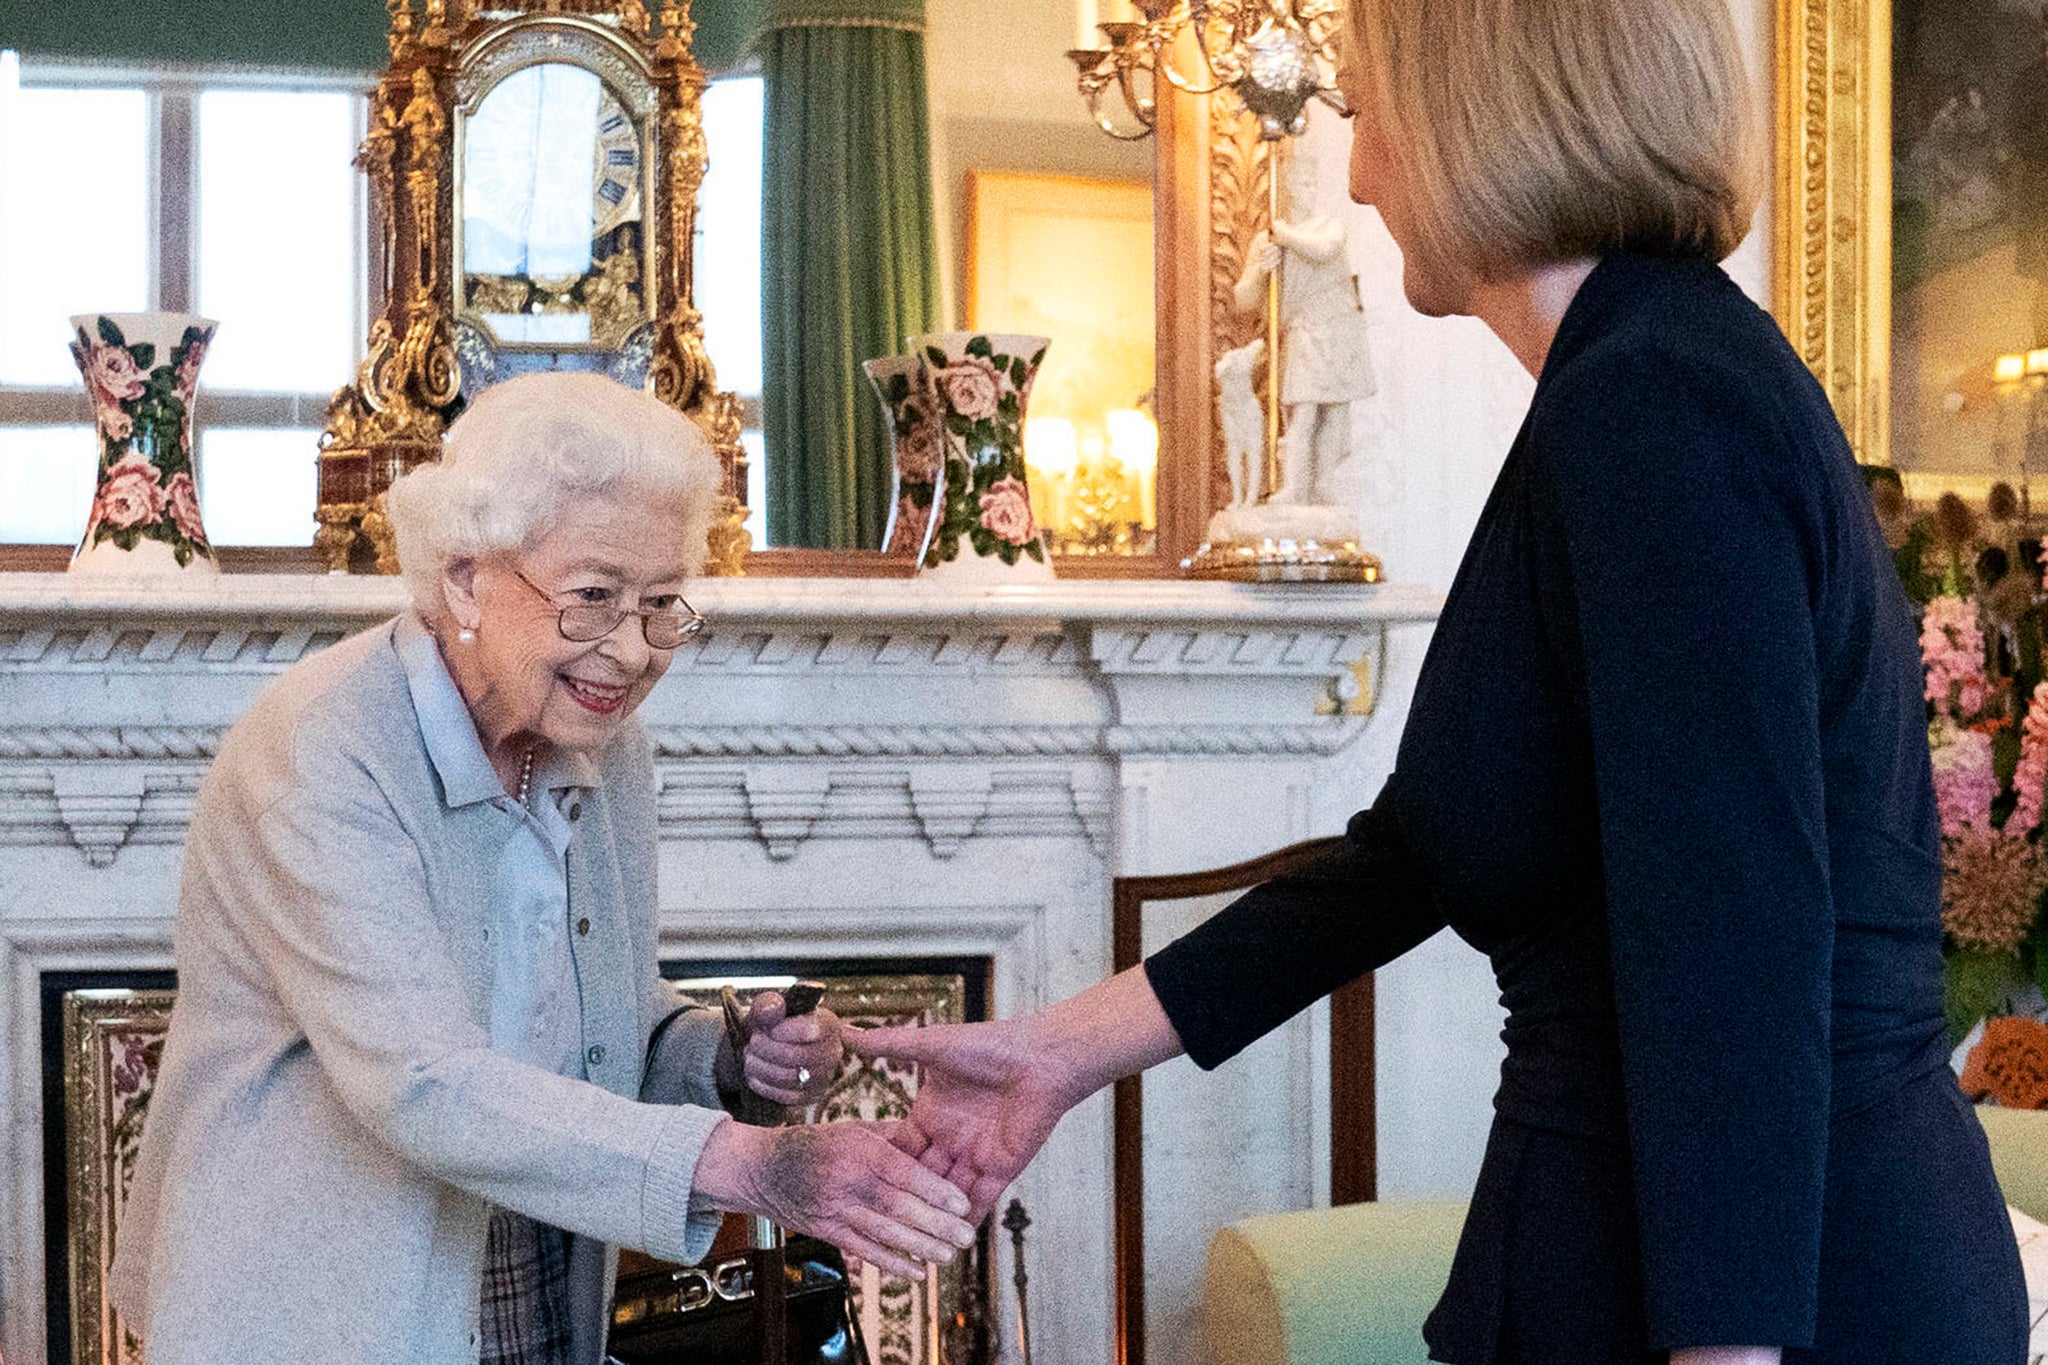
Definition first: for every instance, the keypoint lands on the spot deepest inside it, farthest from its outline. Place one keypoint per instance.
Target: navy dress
(1667, 768)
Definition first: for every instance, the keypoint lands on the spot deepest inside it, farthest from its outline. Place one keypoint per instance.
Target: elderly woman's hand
(843, 1182)
(790, 1061)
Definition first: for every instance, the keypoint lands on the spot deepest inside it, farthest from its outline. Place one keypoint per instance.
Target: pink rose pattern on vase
(1006, 511)
(978, 385)
(915, 446)
(971, 387)
(142, 407)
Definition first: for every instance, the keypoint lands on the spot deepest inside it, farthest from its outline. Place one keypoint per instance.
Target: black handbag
(711, 1315)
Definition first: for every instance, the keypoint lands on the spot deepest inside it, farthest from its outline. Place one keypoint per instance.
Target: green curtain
(849, 254)
(328, 35)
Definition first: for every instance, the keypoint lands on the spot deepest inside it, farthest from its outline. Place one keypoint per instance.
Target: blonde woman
(1666, 765)
(423, 1076)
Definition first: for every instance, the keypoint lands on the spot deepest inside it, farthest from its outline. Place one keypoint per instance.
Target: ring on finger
(803, 1075)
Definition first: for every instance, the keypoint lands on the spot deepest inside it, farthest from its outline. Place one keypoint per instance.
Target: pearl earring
(466, 636)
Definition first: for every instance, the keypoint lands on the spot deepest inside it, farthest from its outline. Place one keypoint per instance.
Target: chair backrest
(1353, 1142)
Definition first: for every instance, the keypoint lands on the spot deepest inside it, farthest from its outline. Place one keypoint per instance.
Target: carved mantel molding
(810, 710)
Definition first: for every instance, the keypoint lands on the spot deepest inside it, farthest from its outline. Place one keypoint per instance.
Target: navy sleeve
(1686, 539)
(1285, 944)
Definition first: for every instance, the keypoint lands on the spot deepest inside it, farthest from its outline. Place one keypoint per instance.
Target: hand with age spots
(848, 1183)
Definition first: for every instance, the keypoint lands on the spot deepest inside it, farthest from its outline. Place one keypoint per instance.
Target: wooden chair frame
(1354, 1154)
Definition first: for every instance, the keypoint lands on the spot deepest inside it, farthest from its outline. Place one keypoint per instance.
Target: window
(234, 199)
(728, 284)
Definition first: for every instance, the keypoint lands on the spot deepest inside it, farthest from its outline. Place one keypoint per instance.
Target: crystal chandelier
(1276, 55)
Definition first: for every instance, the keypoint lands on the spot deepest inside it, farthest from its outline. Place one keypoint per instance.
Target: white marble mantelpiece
(849, 768)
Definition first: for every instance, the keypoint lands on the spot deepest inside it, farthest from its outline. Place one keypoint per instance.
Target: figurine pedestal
(1283, 543)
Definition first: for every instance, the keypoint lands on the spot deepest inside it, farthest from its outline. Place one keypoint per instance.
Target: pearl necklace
(526, 777)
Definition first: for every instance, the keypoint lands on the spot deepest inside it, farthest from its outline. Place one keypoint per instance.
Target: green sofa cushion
(2019, 1153)
(1343, 1286)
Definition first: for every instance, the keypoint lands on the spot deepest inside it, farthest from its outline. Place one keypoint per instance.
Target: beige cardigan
(329, 1129)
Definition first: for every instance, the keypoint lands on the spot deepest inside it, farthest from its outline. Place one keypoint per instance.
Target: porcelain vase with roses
(976, 385)
(141, 371)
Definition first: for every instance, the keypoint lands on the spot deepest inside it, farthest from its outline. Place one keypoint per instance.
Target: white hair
(527, 447)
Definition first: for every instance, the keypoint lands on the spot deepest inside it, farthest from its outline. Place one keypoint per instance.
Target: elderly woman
(1666, 766)
(423, 1074)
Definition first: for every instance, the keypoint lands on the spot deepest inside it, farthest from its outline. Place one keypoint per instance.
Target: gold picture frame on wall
(1832, 259)
(1912, 241)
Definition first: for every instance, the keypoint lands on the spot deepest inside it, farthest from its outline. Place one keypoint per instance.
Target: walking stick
(771, 1283)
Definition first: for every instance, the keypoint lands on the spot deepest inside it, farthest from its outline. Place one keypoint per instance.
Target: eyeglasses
(661, 627)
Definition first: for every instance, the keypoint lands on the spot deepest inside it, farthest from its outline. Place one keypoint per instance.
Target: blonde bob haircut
(527, 448)
(1531, 132)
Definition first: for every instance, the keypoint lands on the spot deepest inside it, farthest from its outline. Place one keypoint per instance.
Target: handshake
(911, 1190)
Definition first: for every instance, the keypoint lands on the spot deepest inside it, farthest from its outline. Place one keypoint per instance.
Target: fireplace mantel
(849, 768)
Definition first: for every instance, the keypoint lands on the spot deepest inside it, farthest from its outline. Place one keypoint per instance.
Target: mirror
(552, 237)
(1043, 225)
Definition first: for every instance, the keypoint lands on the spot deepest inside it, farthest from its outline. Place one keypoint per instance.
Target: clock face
(615, 193)
(552, 166)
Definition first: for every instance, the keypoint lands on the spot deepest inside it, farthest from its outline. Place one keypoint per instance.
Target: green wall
(323, 35)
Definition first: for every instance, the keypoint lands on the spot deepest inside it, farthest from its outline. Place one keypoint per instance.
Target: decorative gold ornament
(1271, 560)
(1832, 291)
(1274, 56)
(638, 295)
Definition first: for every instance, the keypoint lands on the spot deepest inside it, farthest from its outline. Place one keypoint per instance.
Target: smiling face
(522, 680)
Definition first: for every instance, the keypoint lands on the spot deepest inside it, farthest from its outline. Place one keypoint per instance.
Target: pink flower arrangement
(131, 494)
(1006, 511)
(2030, 777)
(971, 387)
(1983, 618)
(1952, 648)
(1965, 781)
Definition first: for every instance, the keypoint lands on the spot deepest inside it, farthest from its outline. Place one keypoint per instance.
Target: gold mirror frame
(407, 388)
(1832, 286)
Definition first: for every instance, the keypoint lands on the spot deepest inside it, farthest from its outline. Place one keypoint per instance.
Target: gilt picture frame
(1832, 249)
(1912, 231)
(112, 1045)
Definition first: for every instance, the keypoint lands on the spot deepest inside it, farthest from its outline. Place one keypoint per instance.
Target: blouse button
(583, 926)
(575, 810)
(596, 1054)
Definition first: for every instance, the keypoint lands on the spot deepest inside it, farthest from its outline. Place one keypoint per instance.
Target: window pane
(256, 485)
(277, 238)
(729, 234)
(46, 479)
(74, 221)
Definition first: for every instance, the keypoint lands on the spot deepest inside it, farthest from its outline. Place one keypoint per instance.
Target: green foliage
(1911, 560)
(1974, 984)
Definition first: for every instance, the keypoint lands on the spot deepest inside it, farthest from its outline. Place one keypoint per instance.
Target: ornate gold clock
(534, 170)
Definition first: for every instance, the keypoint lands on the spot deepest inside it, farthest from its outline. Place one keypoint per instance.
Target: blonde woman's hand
(990, 1096)
(791, 1061)
(847, 1183)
